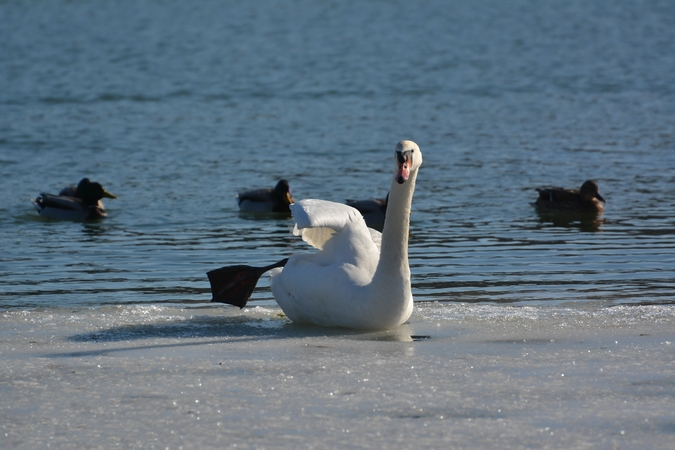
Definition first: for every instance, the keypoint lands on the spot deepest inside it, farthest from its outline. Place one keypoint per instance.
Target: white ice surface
(486, 377)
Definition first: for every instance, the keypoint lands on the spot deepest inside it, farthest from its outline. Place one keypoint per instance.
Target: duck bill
(107, 194)
(403, 166)
(599, 197)
(289, 198)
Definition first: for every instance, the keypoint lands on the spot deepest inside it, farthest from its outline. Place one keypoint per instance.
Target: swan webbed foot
(235, 284)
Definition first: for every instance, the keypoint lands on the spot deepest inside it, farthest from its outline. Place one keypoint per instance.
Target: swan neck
(394, 245)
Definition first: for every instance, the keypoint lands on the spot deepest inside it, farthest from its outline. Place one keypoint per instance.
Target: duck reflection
(587, 222)
(94, 230)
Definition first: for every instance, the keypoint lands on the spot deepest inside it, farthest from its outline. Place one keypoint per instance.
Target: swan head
(408, 160)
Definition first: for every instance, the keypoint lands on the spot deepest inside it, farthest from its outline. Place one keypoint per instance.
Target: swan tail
(235, 284)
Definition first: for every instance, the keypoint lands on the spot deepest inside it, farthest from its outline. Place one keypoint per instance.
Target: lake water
(175, 107)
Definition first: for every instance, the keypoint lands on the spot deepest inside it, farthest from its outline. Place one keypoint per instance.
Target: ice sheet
(456, 376)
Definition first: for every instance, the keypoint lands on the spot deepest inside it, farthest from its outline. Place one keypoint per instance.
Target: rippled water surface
(175, 107)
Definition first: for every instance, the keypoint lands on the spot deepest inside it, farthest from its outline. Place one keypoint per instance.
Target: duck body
(373, 210)
(587, 199)
(359, 278)
(276, 200)
(74, 203)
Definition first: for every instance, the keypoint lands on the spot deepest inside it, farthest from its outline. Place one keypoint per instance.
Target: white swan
(359, 278)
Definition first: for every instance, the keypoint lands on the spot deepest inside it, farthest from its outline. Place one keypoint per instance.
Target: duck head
(408, 159)
(283, 191)
(589, 190)
(91, 192)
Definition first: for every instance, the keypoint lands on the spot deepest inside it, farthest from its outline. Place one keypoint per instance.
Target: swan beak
(107, 194)
(403, 166)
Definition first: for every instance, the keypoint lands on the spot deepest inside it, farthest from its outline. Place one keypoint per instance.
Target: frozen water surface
(456, 376)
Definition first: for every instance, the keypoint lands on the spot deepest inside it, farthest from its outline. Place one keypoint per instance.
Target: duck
(276, 200)
(75, 203)
(359, 278)
(373, 210)
(559, 200)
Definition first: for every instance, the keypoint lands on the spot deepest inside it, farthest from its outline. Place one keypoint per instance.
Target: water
(175, 107)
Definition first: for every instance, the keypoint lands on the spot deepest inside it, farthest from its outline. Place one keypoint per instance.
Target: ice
(456, 376)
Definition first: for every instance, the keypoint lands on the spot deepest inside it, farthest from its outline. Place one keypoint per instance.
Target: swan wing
(316, 221)
(377, 238)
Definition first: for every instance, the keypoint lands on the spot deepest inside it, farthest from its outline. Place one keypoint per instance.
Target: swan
(585, 200)
(359, 278)
(373, 210)
(274, 200)
(75, 203)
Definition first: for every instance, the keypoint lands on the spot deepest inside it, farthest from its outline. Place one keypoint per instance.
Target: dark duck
(587, 199)
(276, 200)
(75, 203)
